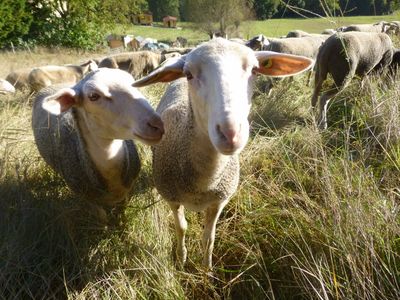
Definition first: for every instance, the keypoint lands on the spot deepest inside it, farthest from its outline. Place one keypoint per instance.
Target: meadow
(316, 214)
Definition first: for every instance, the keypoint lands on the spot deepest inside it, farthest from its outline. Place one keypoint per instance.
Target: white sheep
(6, 87)
(345, 55)
(301, 33)
(376, 27)
(85, 133)
(41, 77)
(137, 63)
(196, 165)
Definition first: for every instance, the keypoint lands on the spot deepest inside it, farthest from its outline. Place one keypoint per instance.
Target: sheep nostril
(156, 124)
(228, 133)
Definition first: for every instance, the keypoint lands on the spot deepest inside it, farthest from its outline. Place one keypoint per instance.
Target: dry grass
(316, 215)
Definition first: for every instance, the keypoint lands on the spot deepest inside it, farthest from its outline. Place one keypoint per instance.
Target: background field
(271, 28)
(316, 215)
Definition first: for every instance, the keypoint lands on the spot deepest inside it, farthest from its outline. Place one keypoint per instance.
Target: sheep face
(220, 75)
(112, 108)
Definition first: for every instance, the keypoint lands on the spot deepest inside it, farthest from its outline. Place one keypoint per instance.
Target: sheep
(329, 31)
(19, 78)
(44, 76)
(301, 33)
(196, 165)
(305, 46)
(85, 133)
(136, 63)
(6, 87)
(393, 27)
(255, 43)
(344, 55)
(376, 27)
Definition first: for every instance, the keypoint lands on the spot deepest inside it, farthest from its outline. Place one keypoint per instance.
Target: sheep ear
(281, 65)
(61, 101)
(170, 70)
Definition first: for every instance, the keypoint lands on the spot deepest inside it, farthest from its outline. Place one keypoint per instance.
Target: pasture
(248, 29)
(316, 214)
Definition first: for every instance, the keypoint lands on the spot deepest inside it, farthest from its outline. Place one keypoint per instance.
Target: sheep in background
(44, 76)
(376, 27)
(85, 133)
(6, 87)
(329, 31)
(137, 63)
(196, 165)
(256, 43)
(305, 46)
(19, 78)
(344, 55)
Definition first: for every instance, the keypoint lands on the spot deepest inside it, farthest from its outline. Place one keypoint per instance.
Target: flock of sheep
(85, 118)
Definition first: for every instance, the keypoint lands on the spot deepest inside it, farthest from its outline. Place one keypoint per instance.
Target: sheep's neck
(107, 156)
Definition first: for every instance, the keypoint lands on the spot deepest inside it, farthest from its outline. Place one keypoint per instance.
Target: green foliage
(163, 8)
(15, 21)
(265, 9)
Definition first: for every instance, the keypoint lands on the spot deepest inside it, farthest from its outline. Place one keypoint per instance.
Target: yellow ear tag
(267, 63)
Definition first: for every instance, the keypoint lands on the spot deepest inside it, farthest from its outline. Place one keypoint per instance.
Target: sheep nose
(229, 132)
(156, 124)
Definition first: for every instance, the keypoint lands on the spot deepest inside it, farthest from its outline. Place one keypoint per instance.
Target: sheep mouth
(226, 148)
(149, 139)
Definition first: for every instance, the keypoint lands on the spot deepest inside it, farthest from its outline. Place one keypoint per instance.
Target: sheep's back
(305, 46)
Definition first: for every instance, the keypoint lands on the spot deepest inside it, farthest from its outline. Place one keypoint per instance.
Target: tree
(15, 21)
(265, 9)
(215, 16)
(162, 8)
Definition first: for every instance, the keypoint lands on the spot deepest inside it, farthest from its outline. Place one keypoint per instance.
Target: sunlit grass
(316, 215)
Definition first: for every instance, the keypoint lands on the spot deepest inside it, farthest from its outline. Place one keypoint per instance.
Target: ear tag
(267, 63)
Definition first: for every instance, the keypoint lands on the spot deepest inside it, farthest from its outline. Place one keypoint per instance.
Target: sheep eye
(94, 97)
(189, 76)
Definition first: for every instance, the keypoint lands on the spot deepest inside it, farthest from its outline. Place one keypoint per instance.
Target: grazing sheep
(49, 75)
(377, 27)
(305, 46)
(6, 87)
(393, 27)
(258, 42)
(196, 165)
(85, 133)
(329, 31)
(19, 78)
(301, 33)
(344, 55)
(137, 63)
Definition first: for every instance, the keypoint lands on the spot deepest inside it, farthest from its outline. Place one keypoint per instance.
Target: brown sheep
(136, 63)
(49, 75)
(19, 78)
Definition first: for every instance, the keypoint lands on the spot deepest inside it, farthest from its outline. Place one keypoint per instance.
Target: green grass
(271, 28)
(316, 215)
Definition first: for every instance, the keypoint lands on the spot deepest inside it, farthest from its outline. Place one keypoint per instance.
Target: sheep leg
(323, 107)
(309, 77)
(317, 90)
(180, 228)
(210, 223)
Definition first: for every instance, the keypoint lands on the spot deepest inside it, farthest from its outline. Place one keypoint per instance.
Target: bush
(15, 20)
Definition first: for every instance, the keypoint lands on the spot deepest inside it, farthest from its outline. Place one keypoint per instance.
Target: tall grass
(316, 215)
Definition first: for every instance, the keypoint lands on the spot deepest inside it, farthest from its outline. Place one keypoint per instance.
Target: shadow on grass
(50, 241)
